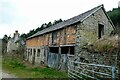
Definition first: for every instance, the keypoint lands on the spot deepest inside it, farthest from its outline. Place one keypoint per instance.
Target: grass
(105, 44)
(16, 67)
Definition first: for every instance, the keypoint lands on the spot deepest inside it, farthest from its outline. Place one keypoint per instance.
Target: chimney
(16, 31)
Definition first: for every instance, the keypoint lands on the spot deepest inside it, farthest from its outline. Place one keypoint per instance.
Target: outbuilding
(53, 45)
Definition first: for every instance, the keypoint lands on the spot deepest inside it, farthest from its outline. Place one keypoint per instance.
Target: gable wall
(87, 31)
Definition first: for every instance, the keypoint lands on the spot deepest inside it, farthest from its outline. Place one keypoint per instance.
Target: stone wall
(87, 34)
(87, 31)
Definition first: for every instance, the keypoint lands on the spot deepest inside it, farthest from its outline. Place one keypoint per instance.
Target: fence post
(113, 72)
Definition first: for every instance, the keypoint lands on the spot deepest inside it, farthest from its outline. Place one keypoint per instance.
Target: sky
(25, 15)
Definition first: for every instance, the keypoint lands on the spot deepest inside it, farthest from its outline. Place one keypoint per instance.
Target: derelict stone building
(53, 45)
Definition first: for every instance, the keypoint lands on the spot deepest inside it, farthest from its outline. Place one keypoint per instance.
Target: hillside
(115, 17)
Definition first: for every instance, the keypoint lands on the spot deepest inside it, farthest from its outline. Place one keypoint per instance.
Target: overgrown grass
(16, 67)
(105, 44)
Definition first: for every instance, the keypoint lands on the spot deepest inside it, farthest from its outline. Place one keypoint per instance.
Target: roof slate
(68, 22)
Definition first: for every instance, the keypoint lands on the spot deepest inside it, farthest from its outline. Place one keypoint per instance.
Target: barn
(53, 46)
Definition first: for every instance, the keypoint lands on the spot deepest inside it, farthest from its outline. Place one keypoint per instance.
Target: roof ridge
(87, 11)
(94, 10)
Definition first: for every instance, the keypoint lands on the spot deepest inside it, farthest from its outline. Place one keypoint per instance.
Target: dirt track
(5, 74)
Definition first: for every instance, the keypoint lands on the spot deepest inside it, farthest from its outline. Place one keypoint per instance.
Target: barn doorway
(33, 60)
(100, 30)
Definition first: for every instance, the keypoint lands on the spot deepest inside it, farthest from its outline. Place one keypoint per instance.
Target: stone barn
(53, 45)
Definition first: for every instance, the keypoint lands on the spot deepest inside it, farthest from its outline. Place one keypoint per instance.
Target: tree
(57, 21)
(23, 36)
(115, 17)
(5, 38)
(43, 26)
(49, 24)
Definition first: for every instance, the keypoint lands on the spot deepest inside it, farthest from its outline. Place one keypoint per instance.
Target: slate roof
(68, 22)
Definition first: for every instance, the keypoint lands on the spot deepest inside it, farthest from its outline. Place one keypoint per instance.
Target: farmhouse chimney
(16, 33)
(16, 36)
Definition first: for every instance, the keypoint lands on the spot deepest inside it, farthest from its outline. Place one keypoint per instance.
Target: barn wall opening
(72, 50)
(34, 52)
(64, 50)
(30, 51)
(38, 52)
(100, 30)
(67, 50)
(33, 59)
(54, 49)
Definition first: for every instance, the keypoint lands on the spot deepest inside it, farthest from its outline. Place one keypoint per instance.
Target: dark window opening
(33, 59)
(72, 50)
(100, 30)
(38, 52)
(30, 51)
(34, 51)
(64, 50)
(67, 50)
(54, 49)
(54, 36)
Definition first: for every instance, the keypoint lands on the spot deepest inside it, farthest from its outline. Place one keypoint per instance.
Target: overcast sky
(25, 15)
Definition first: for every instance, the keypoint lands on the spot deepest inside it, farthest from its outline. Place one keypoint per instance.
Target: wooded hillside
(43, 26)
(115, 17)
